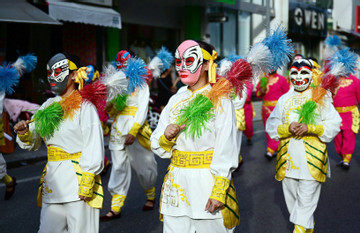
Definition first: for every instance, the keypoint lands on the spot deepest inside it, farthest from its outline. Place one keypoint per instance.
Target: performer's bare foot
(149, 205)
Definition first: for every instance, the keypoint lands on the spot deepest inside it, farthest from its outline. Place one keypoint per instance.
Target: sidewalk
(22, 157)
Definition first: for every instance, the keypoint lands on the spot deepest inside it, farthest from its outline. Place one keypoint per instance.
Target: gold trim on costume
(189, 159)
(221, 185)
(129, 111)
(269, 103)
(56, 154)
(345, 109)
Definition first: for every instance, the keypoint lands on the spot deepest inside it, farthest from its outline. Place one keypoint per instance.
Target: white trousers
(72, 217)
(137, 158)
(301, 197)
(3, 171)
(182, 224)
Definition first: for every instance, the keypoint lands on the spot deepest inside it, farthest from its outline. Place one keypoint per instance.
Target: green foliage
(307, 114)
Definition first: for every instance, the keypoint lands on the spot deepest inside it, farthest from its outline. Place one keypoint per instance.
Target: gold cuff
(26, 137)
(135, 129)
(166, 144)
(316, 129)
(86, 184)
(283, 131)
(219, 190)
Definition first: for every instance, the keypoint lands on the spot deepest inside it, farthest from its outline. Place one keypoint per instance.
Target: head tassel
(212, 65)
(81, 75)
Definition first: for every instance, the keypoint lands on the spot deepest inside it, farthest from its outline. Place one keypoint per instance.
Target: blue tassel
(347, 58)
(166, 57)
(9, 77)
(333, 41)
(136, 72)
(280, 47)
(30, 62)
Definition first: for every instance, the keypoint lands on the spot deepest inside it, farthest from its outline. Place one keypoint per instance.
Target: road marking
(24, 180)
(259, 131)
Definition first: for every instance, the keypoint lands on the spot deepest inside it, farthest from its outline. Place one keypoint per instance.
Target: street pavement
(260, 197)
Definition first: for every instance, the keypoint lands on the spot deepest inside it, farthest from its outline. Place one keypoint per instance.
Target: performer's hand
(293, 126)
(212, 205)
(301, 129)
(21, 127)
(83, 198)
(108, 107)
(262, 90)
(172, 131)
(129, 139)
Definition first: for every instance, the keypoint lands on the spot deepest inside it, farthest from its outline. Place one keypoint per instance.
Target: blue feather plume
(166, 57)
(234, 57)
(136, 72)
(280, 47)
(333, 41)
(347, 59)
(113, 63)
(9, 77)
(30, 61)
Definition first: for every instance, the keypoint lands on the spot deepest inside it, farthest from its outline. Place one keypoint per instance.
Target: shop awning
(19, 11)
(80, 13)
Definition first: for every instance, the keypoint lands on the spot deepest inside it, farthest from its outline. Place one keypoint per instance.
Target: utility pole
(267, 17)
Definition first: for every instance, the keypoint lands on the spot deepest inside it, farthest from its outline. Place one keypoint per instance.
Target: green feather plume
(307, 114)
(48, 120)
(119, 102)
(263, 82)
(196, 115)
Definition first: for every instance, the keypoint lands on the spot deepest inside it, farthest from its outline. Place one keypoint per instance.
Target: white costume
(196, 165)
(75, 150)
(239, 112)
(131, 157)
(302, 162)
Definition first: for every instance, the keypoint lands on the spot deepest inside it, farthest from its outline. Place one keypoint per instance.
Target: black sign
(307, 20)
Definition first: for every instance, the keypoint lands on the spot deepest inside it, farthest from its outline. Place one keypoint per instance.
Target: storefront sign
(307, 20)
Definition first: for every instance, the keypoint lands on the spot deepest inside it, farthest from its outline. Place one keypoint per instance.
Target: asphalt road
(261, 201)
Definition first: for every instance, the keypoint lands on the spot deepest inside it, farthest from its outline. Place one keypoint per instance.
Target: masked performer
(270, 88)
(304, 120)
(130, 141)
(346, 102)
(70, 193)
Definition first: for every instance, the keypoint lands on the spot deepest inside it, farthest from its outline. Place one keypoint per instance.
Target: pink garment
(276, 86)
(345, 142)
(15, 106)
(348, 94)
(248, 110)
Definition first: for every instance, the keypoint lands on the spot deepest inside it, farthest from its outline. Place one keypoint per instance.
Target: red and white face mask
(300, 74)
(188, 61)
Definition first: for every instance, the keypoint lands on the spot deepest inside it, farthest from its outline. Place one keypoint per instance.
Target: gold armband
(86, 184)
(135, 129)
(283, 131)
(318, 130)
(166, 144)
(219, 190)
(26, 137)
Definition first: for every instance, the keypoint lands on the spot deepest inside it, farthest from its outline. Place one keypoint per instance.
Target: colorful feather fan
(48, 120)
(263, 82)
(307, 113)
(119, 102)
(196, 115)
(219, 90)
(25, 64)
(9, 78)
(95, 93)
(136, 73)
(161, 62)
(239, 75)
(343, 63)
(332, 45)
(115, 82)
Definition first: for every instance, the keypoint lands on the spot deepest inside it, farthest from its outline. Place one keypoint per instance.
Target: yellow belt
(267, 103)
(57, 154)
(189, 159)
(345, 109)
(129, 111)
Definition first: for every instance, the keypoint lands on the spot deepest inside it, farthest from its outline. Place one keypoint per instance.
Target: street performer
(304, 120)
(70, 193)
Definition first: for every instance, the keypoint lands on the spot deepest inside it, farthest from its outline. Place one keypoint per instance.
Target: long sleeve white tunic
(186, 190)
(82, 134)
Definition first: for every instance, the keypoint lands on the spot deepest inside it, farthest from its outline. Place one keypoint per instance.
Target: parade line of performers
(198, 194)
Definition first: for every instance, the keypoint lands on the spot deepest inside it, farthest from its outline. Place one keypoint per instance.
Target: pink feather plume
(95, 93)
(330, 83)
(239, 75)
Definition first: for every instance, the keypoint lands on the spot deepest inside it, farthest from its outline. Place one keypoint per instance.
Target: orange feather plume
(221, 89)
(71, 104)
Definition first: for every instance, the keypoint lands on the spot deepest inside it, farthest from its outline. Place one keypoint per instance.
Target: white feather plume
(156, 66)
(224, 67)
(260, 59)
(338, 70)
(115, 82)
